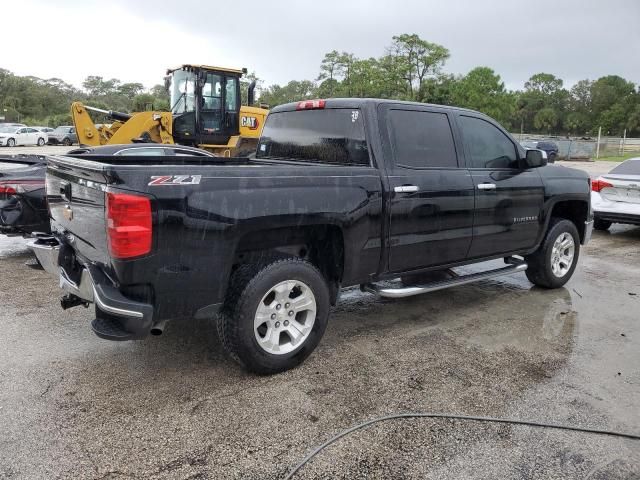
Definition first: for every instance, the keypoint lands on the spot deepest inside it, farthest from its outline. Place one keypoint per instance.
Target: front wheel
(553, 264)
(41, 142)
(11, 142)
(552, 158)
(275, 315)
(66, 142)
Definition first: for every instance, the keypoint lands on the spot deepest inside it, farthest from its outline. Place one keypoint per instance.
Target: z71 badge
(174, 180)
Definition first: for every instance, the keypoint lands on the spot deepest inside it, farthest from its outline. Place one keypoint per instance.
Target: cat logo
(250, 122)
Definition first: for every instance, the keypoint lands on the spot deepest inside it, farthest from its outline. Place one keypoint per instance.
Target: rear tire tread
(242, 286)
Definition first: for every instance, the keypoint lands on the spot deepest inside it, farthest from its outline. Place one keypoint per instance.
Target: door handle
(486, 186)
(405, 189)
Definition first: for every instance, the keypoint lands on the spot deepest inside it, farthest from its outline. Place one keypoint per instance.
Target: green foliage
(47, 102)
(410, 69)
(545, 120)
(483, 90)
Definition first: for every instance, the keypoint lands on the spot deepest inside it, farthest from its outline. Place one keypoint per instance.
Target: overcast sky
(285, 40)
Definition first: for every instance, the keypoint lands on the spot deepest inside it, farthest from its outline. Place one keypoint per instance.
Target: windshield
(183, 87)
(8, 129)
(333, 136)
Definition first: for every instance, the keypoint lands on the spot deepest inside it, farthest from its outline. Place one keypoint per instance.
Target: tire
(254, 324)
(544, 270)
(600, 224)
(41, 142)
(552, 158)
(11, 142)
(66, 142)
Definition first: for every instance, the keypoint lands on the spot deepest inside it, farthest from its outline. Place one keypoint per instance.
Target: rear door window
(486, 145)
(422, 139)
(334, 136)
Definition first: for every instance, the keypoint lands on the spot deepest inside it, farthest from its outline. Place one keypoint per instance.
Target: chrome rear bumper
(134, 318)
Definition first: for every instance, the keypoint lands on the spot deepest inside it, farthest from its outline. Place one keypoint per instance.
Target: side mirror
(535, 159)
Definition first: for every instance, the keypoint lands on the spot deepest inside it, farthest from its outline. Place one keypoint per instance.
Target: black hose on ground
(362, 425)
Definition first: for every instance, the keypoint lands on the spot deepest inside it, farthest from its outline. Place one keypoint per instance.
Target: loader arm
(126, 128)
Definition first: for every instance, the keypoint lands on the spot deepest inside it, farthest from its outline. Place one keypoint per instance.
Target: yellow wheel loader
(205, 112)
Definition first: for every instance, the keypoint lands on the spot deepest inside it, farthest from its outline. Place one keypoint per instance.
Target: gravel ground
(174, 407)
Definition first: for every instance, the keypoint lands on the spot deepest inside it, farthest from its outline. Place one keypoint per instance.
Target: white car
(615, 197)
(12, 136)
(44, 129)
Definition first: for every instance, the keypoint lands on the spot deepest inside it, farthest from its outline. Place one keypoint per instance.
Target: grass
(618, 158)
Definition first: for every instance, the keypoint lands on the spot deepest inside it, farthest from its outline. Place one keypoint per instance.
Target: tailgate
(76, 195)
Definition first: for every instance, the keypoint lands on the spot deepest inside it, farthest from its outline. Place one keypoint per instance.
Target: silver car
(615, 197)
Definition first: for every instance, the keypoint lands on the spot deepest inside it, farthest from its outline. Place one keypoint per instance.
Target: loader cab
(205, 103)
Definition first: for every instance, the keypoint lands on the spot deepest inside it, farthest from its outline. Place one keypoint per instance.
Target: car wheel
(66, 142)
(552, 158)
(600, 224)
(553, 264)
(274, 315)
(41, 142)
(11, 142)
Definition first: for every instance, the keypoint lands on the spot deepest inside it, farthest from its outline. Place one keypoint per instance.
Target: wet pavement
(174, 407)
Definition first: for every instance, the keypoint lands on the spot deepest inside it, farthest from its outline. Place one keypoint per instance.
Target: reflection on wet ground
(176, 407)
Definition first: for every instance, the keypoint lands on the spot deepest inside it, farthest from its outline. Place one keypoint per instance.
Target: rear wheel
(600, 224)
(41, 142)
(274, 315)
(553, 264)
(552, 158)
(11, 142)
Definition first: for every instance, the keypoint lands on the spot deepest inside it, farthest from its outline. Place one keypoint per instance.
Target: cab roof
(361, 102)
(188, 66)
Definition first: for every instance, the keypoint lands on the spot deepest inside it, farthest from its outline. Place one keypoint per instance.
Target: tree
(130, 89)
(144, 102)
(440, 90)
(96, 86)
(418, 59)
(330, 68)
(292, 92)
(613, 100)
(543, 91)
(483, 90)
(546, 120)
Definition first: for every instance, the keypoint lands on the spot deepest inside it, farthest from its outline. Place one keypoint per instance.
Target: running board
(515, 265)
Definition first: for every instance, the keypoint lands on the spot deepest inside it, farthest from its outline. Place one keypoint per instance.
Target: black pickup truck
(341, 192)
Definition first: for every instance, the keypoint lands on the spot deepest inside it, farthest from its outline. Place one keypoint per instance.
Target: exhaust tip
(158, 328)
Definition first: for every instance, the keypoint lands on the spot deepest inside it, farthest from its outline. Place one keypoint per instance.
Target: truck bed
(204, 212)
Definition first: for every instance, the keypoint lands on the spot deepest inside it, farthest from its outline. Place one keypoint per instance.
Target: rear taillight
(13, 187)
(598, 185)
(310, 105)
(129, 226)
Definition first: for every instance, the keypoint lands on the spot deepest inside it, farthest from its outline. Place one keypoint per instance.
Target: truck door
(509, 198)
(432, 196)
